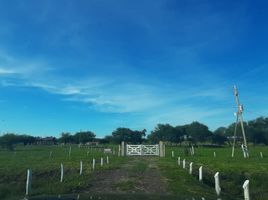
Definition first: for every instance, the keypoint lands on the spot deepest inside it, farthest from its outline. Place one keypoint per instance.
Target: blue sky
(100, 64)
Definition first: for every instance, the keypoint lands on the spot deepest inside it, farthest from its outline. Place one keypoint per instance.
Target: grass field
(46, 170)
(233, 171)
(179, 183)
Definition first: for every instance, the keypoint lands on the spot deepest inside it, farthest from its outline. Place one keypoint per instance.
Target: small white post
(201, 173)
(101, 162)
(214, 154)
(119, 150)
(183, 164)
(246, 190)
(28, 182)
(192, 150)
(93, 164)
(217, 184)
(191, 168)
(50, 154)
(179, 160)
(81, 167)
(107, 159)
(70, 151)
(61, 172)
(172, 154)
(261, 154)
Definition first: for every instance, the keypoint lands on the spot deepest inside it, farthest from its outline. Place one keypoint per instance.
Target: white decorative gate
(140, 150)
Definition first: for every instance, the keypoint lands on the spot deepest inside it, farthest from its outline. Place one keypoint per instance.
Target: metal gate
(140, 150)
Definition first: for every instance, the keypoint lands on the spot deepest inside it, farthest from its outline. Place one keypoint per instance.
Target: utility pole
(239, 118)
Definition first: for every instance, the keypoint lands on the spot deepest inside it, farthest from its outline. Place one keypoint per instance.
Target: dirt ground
(139, 176)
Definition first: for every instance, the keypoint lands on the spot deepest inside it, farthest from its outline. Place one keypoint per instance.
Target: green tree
(66, 138)
(8, 141)
(26, 139)
(199, 132)
(128, 135)
(258, 131)
(165, 132)
(83, 137)
(219, 137)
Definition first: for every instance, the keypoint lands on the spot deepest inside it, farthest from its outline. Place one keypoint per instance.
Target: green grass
(46, 171)
(233, 171)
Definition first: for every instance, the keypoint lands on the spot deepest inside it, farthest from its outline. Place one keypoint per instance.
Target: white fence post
(217, 184)
(183, 164)
(172, 154)
(81, 167)
(200, 173)
(61, 172)
(70, 151)
(107, 159)
(28, 182)
(246, 190)
(50, 154)
(193, 150)
(119, 150)
(214, 154)
(101, 162)
(87, 153)
(261, 154)
(93, 164)
(179, 160)
(191, 168)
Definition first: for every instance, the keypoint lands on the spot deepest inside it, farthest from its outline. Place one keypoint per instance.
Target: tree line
(196, 132)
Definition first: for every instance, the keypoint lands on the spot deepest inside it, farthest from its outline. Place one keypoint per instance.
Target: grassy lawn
(180, 184)
(233, 171)
(46, 170)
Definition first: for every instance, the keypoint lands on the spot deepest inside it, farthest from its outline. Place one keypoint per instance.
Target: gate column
(122, 148)
(161, 149)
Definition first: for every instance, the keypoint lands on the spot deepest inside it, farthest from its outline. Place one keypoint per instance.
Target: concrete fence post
(93, 163)
(246, 190)
(200, 173)
(183, 164)
(217, 184)
(81, 167)
(191, 168)
(28, 182)
(61, 172)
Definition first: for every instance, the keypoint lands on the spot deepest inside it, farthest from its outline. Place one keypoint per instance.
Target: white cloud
(4, 71)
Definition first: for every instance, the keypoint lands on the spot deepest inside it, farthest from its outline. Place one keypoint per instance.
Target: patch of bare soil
(139, 176)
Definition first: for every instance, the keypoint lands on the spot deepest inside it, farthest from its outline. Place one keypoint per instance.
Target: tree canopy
(127, 135)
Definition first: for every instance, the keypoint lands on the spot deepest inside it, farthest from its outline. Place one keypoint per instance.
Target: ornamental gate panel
(140, 150)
